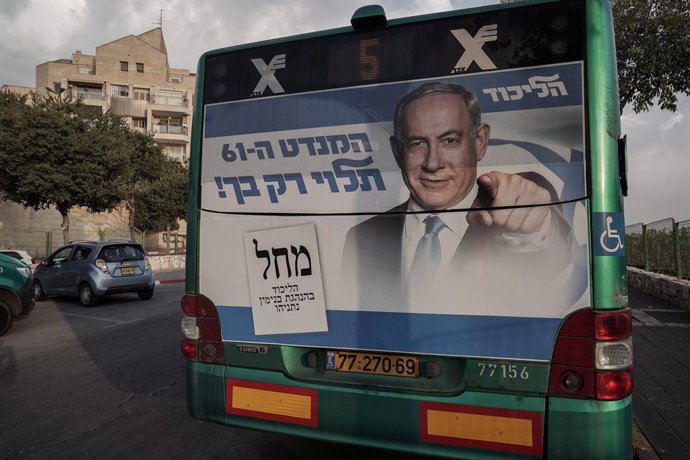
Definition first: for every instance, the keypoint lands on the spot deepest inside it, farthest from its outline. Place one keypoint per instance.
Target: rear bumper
(399, 421)
(105, 284)
(381, 419)
(26, 296)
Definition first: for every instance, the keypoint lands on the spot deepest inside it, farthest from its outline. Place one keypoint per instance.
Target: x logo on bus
(473, 47)
(268, 78)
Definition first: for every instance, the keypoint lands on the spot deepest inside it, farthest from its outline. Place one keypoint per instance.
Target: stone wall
(22, 228)
(661, 286)
(167, 263)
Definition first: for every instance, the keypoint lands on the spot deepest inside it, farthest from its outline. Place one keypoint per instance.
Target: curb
(174, 281)
(642, 449)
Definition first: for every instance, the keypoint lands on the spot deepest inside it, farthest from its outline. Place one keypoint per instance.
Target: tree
(163, 201)
(52, 155)
(64, 154)
(653, 51)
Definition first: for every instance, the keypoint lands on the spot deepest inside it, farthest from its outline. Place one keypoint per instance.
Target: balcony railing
(166, 129)
(167, 100)
(90, 96)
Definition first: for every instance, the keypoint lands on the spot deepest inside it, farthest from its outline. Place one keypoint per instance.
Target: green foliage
(653, 51)
(50, 156)
(64, 154)
(661, 250)
(684, 244)
(161, 202)
(634, 250)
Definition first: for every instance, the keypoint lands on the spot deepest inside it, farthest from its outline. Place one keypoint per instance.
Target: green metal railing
(662, 246)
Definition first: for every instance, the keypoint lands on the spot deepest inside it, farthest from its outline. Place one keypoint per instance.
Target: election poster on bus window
(440, 216)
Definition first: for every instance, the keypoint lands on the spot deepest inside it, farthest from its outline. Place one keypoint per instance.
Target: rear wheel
(87, 296)
(39, 293)
(5, 317)
(145, 295)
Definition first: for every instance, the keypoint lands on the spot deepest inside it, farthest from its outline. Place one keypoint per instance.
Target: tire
(145, 295)
(86, 295)
(5, 317)
(39, 292)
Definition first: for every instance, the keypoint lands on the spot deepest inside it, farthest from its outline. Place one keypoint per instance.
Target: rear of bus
(297, 316)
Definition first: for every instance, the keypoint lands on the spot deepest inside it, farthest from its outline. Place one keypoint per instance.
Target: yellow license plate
(127, 271)
(372, 363)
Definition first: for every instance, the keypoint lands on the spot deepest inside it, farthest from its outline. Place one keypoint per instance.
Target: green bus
(409, 234)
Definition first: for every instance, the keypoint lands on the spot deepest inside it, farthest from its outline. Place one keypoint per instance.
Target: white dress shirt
(452, 234)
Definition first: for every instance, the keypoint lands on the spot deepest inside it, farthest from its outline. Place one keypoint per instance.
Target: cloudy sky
(35, 31)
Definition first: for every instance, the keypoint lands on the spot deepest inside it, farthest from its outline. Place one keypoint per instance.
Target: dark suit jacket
(373, 257)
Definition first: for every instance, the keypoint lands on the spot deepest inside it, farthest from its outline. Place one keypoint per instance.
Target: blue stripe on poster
(454, 335)
(542, 87)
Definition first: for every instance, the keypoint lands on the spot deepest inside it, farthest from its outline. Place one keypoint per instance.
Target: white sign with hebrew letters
(285, 283)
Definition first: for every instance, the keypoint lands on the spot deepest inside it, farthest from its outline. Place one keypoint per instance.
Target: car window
(62, 254)
(121, 253)
(81, 253)
(12, 254)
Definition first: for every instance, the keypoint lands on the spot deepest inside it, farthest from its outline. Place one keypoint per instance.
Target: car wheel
(39, 293)
(5, 317)
(145, 295)
(87, 296)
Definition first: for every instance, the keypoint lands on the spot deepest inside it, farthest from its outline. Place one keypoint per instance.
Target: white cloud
(672, 121)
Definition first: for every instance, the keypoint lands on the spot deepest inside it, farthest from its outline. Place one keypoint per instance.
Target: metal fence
(662, 246)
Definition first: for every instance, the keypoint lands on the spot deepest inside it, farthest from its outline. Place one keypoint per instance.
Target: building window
(139, 123)
(124, 66)
(140, 67)
(170, 126)
(175, 79)
(119, 90)
(142, 94)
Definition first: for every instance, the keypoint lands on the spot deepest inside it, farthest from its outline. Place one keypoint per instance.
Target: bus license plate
(127, 271)
(370, 363)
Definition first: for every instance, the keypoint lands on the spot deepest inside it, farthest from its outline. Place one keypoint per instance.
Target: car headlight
(25, 271)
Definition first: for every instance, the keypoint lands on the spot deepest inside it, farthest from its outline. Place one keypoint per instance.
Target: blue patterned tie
(426, 260)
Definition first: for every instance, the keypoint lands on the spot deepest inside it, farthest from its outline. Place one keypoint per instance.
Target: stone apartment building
(132, 77)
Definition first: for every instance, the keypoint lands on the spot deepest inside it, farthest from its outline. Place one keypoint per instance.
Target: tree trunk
(65, 226)
(132, 210)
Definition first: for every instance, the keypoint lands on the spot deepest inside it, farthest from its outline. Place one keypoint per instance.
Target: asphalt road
(108, 382)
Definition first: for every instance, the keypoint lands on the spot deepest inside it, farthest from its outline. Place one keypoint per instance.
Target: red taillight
(614, 385)
(203, 342)
(188, 348)
(613, 325)
(100, 263)
(589, 346)
(198, 306)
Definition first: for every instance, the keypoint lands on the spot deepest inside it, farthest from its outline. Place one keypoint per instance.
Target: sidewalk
(661, 399)
(169, 276)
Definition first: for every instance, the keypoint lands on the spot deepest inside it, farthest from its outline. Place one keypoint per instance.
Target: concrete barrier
(664, 287)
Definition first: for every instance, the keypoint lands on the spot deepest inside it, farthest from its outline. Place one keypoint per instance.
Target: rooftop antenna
(159, 23)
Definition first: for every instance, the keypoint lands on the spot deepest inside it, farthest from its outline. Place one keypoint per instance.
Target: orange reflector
(481, 427)
(271, 402)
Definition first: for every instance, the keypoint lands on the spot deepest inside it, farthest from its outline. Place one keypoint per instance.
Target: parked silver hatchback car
(91, 269)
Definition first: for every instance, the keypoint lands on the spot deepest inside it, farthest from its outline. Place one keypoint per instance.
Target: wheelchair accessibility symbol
(608, 228)
(610, 239)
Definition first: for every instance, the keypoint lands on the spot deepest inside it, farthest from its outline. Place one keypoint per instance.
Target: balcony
(171, 133)
(167, 105)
